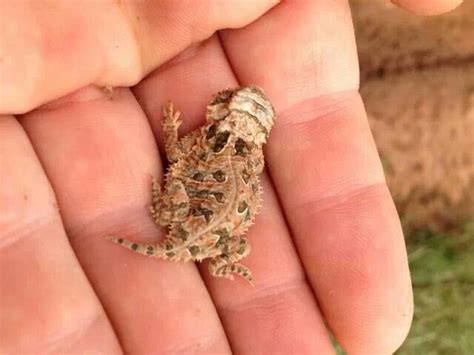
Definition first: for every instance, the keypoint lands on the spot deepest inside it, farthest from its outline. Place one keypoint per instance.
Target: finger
(59, 49)
(326, 170)
(428, 7)
(278, 315)
(46, 302)
(100, 155)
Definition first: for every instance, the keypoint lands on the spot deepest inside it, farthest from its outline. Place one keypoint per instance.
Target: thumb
(51, 49)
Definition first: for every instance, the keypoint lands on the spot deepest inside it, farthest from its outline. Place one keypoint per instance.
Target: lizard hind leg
(170, 206)
(155, 205)
(220, 267)
(227, 264)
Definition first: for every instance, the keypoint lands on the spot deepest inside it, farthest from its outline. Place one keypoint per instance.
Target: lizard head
(246, 112)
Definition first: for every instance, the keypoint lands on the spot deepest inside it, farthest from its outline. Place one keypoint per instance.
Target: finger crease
(263, 294)
(16, 232)
(65, 338)
(194, 345)
(360, 192)
(315, 108)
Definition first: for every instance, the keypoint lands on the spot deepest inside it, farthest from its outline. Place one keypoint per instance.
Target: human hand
(327, 247)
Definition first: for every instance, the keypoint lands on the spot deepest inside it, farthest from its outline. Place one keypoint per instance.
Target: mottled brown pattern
(212, 191)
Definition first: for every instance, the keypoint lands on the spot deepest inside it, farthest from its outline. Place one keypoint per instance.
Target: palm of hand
(328, 230)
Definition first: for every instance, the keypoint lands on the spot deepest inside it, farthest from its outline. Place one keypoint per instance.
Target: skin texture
(212, 190)
(327, 246)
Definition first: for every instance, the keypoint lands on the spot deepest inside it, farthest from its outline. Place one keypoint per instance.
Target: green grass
(442, 267)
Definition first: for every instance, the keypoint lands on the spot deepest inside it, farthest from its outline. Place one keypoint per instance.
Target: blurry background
(417, 81)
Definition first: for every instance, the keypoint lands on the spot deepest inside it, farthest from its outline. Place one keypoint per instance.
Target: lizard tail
(152, 250)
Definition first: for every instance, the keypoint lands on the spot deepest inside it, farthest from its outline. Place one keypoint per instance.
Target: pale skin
(327, 247)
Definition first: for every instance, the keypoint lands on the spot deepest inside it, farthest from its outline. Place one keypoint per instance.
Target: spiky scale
(212, 190)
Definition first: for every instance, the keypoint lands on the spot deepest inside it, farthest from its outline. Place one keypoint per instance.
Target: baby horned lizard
(212, 190)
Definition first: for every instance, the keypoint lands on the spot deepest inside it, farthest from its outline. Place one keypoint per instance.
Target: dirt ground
(417, 81)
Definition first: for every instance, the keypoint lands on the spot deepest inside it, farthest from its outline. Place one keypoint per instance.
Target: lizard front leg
(171, 123)
(176, 148)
